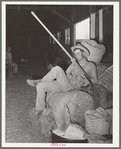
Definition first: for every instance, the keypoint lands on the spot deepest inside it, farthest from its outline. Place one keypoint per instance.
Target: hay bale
(69, 107)
(64, 108)
(43, 126)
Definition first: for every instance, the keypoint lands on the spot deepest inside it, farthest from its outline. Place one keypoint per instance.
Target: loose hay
(43, 126)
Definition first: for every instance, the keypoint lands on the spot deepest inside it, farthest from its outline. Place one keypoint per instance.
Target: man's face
(8, 49)
(79, 54)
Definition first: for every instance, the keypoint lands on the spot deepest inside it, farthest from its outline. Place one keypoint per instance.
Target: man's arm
(68, 71)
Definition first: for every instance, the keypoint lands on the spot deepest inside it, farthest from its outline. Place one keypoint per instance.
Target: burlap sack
(70, 107)
(96, 50)
(110, 111)
(97, 121)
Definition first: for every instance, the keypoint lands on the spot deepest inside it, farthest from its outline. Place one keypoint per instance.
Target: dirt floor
(20, 99)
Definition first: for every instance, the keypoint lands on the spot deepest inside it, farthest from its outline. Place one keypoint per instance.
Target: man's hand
(73, 60)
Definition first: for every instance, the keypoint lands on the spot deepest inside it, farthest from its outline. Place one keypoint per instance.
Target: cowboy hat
(81, 47)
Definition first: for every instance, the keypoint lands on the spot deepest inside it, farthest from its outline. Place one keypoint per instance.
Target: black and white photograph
(60, 74)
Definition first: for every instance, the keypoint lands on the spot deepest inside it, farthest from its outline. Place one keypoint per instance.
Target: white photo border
(115, 71)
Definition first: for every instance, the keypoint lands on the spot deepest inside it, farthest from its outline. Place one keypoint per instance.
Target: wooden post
(72, 35)
(92, 17)
(73, 29)
(101, 26)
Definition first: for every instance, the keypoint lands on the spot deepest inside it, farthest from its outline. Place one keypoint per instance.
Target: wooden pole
(51, 34)
(72, 59)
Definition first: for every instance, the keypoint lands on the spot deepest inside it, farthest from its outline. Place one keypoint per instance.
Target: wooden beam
(32, 7)
(60, 15)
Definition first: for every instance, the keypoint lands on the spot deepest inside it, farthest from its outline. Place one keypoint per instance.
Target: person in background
(56, 80)
(10, 62)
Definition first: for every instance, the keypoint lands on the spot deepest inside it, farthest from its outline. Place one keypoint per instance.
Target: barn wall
(81, 13)
(31, 45)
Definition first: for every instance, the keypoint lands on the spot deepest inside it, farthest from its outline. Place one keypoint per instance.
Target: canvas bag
(96, 50)
(97, 121)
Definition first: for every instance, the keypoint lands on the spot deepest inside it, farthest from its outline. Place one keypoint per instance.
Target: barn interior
(29, 40)
(33, 50)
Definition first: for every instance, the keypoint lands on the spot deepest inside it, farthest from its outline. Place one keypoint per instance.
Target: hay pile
(43, 126)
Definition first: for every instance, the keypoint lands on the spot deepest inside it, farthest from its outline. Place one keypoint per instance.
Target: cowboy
(56, 80)
(10, 62)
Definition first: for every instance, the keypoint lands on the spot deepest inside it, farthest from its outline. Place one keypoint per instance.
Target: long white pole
(50, 33)
(60, 45)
